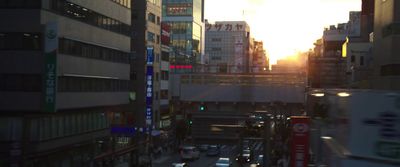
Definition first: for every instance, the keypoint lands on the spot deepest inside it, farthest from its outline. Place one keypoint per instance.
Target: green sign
(50, 69)
(388, 149)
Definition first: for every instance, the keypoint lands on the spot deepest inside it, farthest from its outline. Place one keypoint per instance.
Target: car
(189, 153)
(245, 157)
(213, 150)
(203, 147)
(223, 162)
(180, 165)
(260, 160)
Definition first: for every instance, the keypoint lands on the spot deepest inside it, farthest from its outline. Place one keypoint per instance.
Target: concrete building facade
(228, 47)
(64, 80)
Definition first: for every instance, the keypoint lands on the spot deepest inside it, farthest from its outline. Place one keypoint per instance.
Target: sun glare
(285, 26)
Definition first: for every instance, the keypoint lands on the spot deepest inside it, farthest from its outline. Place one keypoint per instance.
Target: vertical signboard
(50, 69)
(165, 33)
(149, 85)
(300, 141)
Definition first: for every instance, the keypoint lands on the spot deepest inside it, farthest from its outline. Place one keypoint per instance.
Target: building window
(23, 4)
(164, 75)
(164, 94)
(21, 41)
(164, 56)
(88, 16)
(82, 84)
(150, 36)
(81, 49)
(353, 59)
(151, 17)
(125, 3)
(361, 60)
(216, 39)
(216, 49)
(158, 20)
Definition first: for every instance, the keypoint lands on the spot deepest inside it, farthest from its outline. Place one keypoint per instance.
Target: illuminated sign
(181, 9)
(180, 66)
(50, 78)
(150, 56)
(149, 95)
(226, 27)
(165, 33)
(300, 141)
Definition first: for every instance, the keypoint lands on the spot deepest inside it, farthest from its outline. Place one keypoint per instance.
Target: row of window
(153, 37)
(80, 84)
(164, 75)
(391, 29)
(20, 41)
(88, 16)
(152, 18)
(20, 82)
(125, 3)
(81, 49)
(21, 4)
(59, 126)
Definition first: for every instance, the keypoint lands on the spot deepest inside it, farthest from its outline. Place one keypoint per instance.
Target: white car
(180, 165)
(223, 162)
(190, 153)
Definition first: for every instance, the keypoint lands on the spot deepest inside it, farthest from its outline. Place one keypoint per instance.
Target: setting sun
(285, 26)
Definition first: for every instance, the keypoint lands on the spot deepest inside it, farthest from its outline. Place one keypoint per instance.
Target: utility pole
(267, 139)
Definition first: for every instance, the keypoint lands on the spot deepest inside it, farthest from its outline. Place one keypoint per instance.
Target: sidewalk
(164, 157)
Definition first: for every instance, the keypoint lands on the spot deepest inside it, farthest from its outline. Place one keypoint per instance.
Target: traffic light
(202, 108)
(189, 119)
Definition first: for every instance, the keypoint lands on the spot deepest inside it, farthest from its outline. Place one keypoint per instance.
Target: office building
(228, 47)
(386, 42)
(64, 80)
(186, 19)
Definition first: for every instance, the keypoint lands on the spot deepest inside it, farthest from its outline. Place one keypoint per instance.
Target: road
(209, 161)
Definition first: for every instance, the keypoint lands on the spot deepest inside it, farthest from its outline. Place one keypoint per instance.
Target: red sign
(165, 33)
(300, 141)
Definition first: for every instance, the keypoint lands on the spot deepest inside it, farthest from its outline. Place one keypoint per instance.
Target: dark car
(245, 157)
(203, 147)
(260, 161)
(213, 150)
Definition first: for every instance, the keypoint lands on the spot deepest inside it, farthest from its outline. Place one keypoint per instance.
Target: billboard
(165, 33)
(300, 135)
(227, 26)
(50, 69)
(149, 86)
(179, 9)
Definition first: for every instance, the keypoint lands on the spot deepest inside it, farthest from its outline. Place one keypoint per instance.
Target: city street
(209, 161)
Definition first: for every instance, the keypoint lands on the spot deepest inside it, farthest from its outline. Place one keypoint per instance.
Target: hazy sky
(285, 26)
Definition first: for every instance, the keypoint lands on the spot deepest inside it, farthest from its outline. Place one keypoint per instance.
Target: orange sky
(285, 26)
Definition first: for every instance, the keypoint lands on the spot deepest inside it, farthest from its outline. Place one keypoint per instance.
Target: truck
(354, 127)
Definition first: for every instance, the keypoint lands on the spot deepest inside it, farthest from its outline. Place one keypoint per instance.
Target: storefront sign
(300, 141)
(50, 71)
(149, 86)
(165, 33)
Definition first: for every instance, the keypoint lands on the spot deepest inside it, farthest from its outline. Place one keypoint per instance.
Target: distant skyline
(285, 26)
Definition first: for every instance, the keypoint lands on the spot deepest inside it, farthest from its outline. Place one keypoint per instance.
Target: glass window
(150, 36)
(151, 17)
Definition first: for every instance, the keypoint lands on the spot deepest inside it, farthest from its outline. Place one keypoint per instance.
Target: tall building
(186, 19)
(148, 68)
(326, 68)
(386, 42)
(228, 47)
(64, 80)
(260, 60)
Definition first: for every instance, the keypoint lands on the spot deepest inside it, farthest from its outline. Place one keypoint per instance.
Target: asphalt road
(209, 161)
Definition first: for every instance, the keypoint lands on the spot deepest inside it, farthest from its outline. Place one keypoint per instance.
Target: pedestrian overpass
(211, 98)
